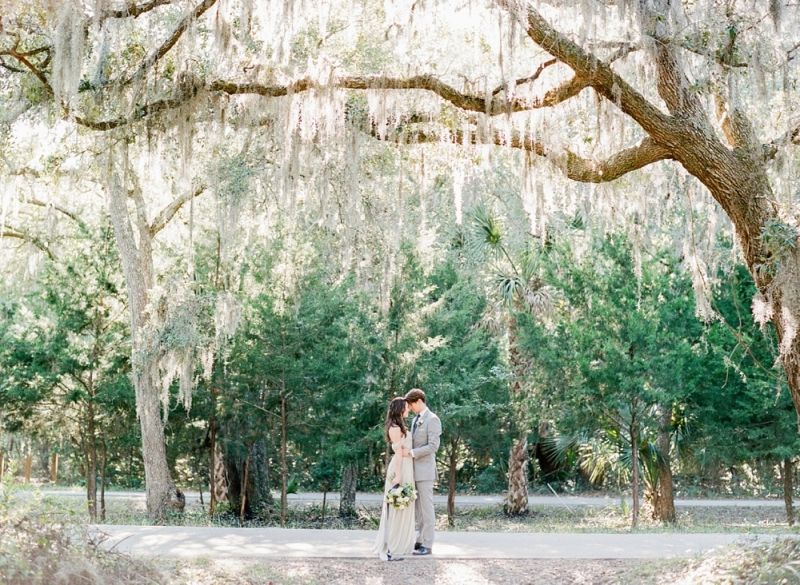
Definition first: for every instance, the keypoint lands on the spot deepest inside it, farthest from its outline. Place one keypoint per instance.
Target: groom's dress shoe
(417, 545)
(422, 551)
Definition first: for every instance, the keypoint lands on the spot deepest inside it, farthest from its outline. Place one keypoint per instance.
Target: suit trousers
(424, 513)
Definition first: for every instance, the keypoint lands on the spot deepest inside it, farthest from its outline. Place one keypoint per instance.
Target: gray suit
(426, 430)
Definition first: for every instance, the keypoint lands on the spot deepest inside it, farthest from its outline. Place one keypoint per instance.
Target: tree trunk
(516, 503)
(137, 265)
(284, 460)
(634, 474)
(451, 482)
(91, 483)
(160, 490)
(91, 456)
(788, 489)
(663, 498)
(259, 494)
(2, 464)
(245, 483)
(53, 468)
(347, 497)
(103, 469)
(219, 482)
(253, 499)
(212, 452)
(27, 466)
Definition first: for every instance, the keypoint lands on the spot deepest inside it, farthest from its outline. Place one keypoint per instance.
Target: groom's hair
(414, 395)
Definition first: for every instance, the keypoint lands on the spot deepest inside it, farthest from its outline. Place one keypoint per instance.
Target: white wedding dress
(396, 532)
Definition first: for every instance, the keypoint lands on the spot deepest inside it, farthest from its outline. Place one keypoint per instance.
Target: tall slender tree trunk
(245, 482)
(451, 481)
(663, 498)
(212, 460)
(516, 503)
(103, 470)
(284, 458)
(634, 472)
(347, 497)
(91, 462)
(213, 453)
(788, 489)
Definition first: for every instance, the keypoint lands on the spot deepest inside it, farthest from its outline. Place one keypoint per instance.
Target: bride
(396, 532)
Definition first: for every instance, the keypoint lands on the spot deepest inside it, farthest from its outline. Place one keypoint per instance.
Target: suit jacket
(425, 443)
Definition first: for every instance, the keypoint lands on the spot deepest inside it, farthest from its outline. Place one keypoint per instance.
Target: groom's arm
(434, 432)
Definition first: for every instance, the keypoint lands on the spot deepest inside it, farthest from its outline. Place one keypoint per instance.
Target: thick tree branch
(166, 214)
(672, 83)
(162, 50)
(138, 114)
(133, 9)
(575, 167)
(8, 232)
(462, 100)
(599, 75)
(70, 214)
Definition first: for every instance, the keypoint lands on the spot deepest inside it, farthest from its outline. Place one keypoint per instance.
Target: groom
(425, 432)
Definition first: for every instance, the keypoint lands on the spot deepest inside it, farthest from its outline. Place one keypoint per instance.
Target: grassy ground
(612, 519)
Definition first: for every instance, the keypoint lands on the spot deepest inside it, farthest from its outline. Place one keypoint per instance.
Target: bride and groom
(410, 476)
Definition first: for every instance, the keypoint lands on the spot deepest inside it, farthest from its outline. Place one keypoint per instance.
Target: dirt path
(275, 543)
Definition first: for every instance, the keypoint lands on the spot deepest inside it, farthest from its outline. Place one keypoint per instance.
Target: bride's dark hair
(394, 416)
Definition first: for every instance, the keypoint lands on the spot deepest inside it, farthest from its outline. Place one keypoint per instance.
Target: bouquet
(401, 496)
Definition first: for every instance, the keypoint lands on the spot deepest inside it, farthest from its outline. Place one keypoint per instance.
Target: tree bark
(258, 489)
(219, 485)
(347, 498)
(103, 469)
(284, 459)
(788, 489)
(245, 482)
(516, 503)
(634, 473)
(91, 459)
(451, 482)
(663, 498)
(254, 498)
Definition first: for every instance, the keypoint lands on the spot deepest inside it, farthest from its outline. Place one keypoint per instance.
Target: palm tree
(518, 288)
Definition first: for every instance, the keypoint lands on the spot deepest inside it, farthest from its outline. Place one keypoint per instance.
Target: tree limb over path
(573, 166)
